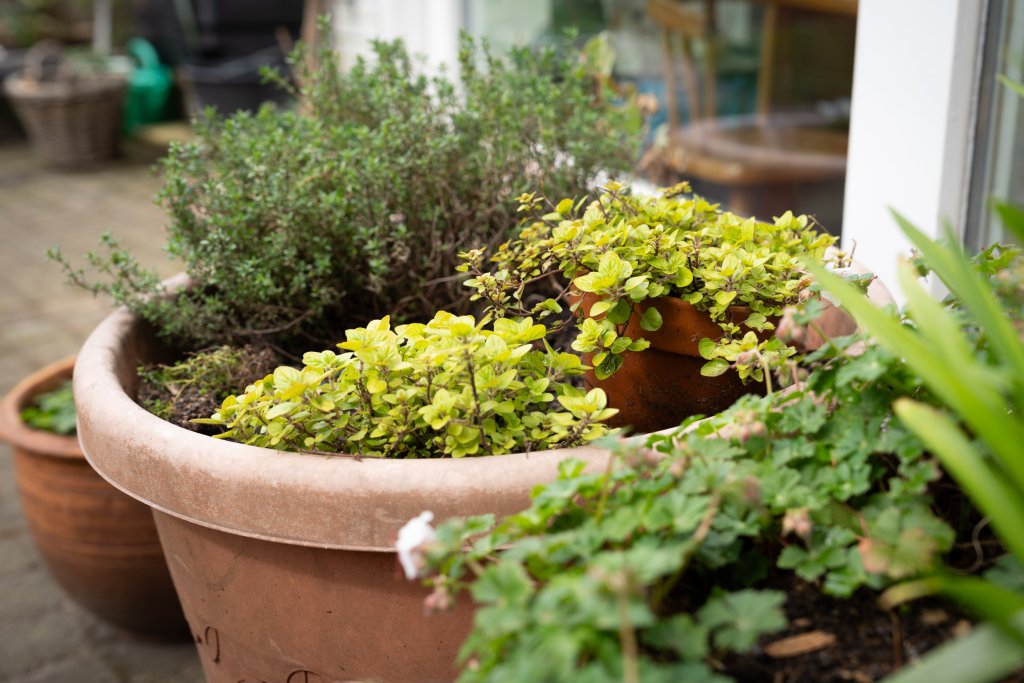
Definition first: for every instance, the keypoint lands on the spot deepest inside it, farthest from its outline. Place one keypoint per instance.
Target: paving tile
(78, 667)
(11, 520)
(46, 634)
(44, 637)
(142, 662)
(18, 554)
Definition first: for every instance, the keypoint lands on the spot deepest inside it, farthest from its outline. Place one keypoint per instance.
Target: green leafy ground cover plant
(293, 225)
(452, 387)
(52, 411)
(969, 351)
(623, 249)
(664, 566)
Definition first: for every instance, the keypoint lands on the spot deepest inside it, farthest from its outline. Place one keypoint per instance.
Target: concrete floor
(45, 638)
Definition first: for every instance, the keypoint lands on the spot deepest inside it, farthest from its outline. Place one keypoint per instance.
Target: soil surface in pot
(180, 403)
(831, 640)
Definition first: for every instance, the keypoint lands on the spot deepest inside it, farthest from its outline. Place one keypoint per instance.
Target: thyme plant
(294, 224)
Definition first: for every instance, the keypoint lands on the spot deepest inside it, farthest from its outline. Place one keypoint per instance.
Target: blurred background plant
(52, 411)
(24, 22)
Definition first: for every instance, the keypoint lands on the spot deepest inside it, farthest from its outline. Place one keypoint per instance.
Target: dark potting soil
(183, 403)
(831, 640)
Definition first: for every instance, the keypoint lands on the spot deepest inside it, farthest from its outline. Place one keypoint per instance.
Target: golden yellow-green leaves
(451, 387)
(622, 249)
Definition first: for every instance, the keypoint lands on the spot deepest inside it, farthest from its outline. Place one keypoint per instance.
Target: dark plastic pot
(11, 61)
(186, 30)
(233, 85)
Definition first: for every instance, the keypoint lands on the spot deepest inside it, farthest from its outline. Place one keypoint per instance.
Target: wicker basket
(72, 122)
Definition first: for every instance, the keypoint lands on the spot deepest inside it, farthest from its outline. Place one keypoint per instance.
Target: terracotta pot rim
(14, 430)
(300, 499)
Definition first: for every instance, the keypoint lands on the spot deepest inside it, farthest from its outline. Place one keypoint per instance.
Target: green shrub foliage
(451, 387)
(624, 249)
(661, 566)
(355, 205)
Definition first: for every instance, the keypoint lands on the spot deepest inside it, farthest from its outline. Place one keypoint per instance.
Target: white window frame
(430, 28)
(912, 123)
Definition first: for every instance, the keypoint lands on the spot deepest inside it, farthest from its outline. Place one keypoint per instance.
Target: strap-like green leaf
(954, 268)
(985, 654)
(994, 495)
(957, 380)
(1012, 85)
(1012, 217)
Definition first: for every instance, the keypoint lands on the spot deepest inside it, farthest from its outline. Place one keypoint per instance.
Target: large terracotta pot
(283, 561)
(100, 545)
(661, 386)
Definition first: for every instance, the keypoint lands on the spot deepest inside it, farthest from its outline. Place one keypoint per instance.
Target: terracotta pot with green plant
(294, 226)
(668, 294)
(311, 531)
(99, 544)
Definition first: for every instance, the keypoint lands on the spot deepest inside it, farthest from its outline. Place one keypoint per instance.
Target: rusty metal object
(266, 547)
(100, 545)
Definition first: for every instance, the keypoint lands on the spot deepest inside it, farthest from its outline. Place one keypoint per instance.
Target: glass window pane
(998, 166)
(754, 95)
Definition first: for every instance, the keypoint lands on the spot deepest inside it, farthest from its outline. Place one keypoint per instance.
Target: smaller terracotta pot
(660, 387)
(100, 545)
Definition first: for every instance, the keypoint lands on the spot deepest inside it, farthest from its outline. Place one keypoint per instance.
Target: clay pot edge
(14, 430)
(320, 501)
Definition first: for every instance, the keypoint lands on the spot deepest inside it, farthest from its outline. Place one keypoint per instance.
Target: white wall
(911, 123)
(430, 28)
(507, 24)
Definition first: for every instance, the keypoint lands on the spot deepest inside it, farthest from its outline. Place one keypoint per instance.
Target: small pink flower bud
(798, 521)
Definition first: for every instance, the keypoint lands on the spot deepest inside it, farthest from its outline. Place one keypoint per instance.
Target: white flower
(412, 537)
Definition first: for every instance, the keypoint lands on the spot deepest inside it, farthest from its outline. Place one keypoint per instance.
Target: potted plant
(292, 226)
(755, 545)
(71, 108)
(311, 533)
(700, 289)
(98, 543)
